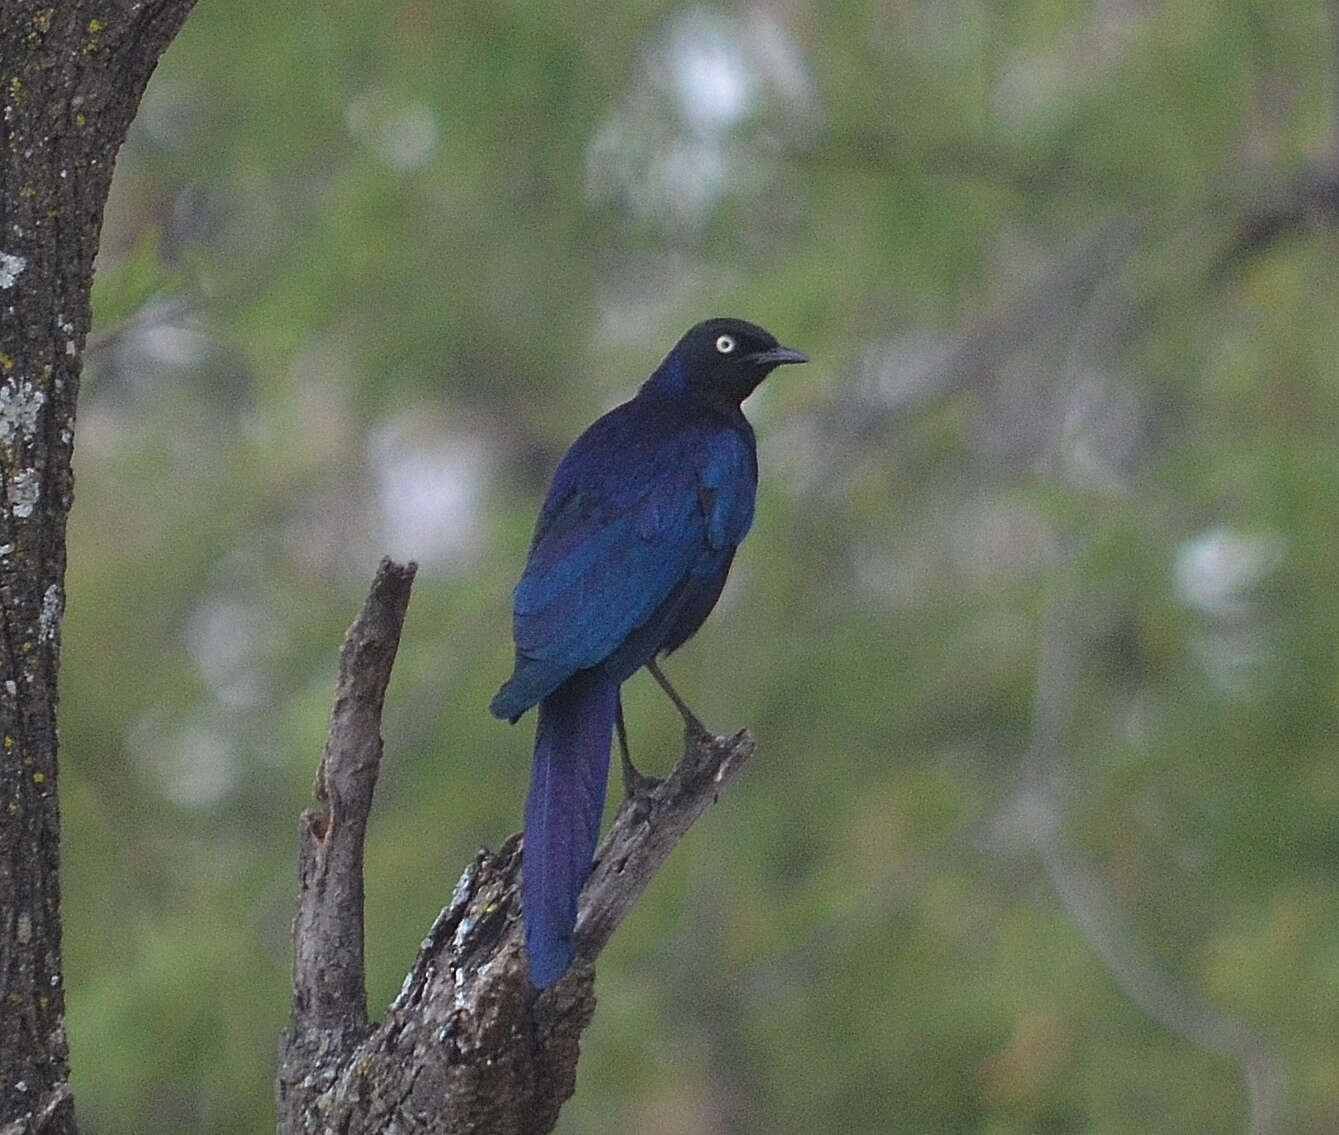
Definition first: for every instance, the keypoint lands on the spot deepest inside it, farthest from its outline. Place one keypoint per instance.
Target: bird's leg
(691, 725)
(635, 784)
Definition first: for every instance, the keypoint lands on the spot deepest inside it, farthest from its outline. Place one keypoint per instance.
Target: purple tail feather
(562, 815)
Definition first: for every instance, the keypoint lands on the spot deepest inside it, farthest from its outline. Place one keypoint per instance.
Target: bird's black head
(723, 360)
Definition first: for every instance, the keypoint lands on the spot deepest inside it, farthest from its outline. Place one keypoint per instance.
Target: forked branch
(469, 1045)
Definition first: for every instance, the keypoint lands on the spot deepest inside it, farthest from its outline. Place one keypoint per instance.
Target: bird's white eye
(725, 344)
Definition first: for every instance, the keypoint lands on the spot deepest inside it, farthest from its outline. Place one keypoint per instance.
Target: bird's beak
(779, 356)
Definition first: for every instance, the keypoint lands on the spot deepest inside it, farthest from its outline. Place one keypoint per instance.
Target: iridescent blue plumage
(629, 556)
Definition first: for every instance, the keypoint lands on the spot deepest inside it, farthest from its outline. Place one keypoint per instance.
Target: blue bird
(629, 556)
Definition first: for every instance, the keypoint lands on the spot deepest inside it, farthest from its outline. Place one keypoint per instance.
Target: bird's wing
(622, 526)
(727, 475)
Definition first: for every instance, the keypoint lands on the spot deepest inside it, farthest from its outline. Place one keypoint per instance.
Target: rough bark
(71, 75)
(469, 1045)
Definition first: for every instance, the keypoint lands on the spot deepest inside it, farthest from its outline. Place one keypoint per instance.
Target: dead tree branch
(469, 1045)
(1085, 896)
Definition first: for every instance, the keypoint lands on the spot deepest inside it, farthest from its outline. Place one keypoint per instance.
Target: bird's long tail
(562, 815)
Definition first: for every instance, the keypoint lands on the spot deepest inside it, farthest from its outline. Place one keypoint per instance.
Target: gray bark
(71, 76)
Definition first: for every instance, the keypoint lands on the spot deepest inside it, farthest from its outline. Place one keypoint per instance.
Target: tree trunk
(72, 75)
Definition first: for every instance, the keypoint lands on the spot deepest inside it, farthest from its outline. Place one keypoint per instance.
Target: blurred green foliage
(1039, 647)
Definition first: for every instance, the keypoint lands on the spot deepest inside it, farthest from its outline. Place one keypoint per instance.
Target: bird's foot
(695, 734)
(637, 792)
(637, 785)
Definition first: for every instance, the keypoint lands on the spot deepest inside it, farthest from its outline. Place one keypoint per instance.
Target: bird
(629, 555)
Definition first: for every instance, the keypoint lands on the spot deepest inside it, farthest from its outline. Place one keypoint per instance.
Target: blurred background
(1036, 625)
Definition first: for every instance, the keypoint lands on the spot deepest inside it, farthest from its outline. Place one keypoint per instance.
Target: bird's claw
(696, 735)
(637, 785)
(637, 791)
